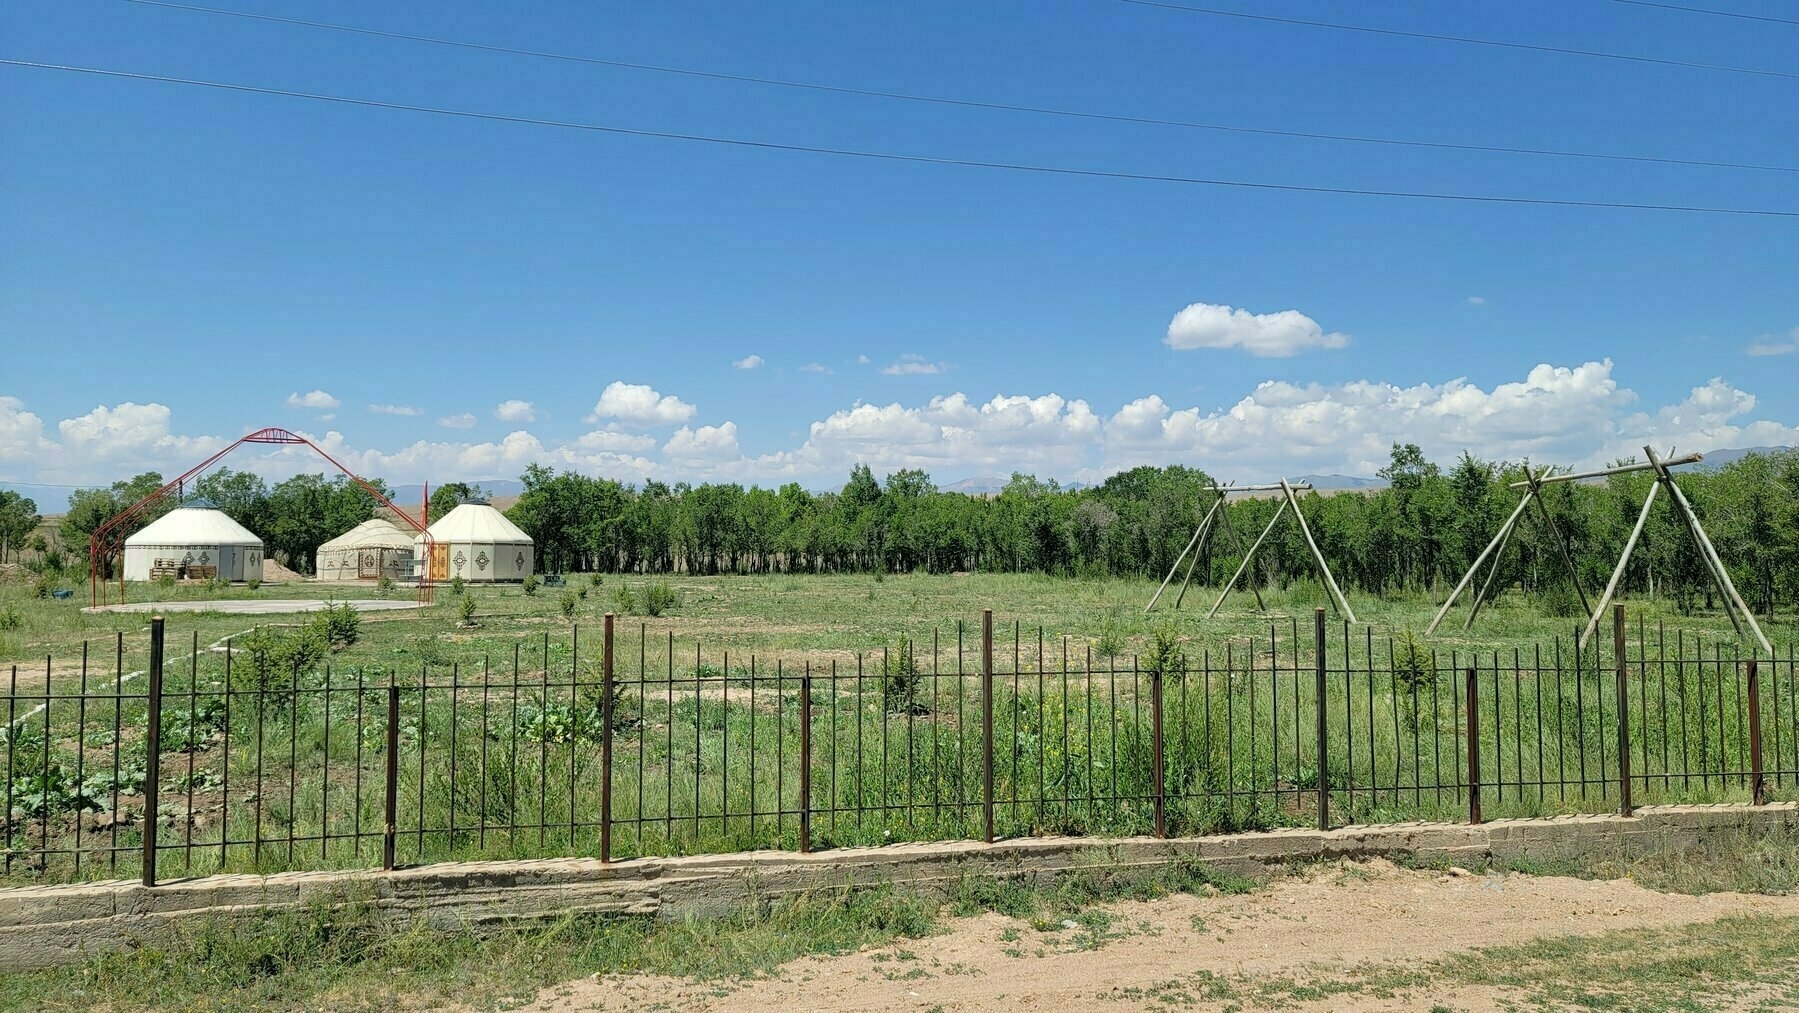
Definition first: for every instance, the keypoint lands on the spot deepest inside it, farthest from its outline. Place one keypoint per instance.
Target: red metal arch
(108, 539)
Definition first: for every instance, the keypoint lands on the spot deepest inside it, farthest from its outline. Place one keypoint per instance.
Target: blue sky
(179, 265)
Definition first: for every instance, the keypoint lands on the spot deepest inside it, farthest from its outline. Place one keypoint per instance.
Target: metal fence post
(1473, 747)
(1758, 784)
(152, 751)
(1324, 791)
(391, 791)
(987, 724)
(1155, 752)
(605, 745)
(806, 761)
(1622, 663)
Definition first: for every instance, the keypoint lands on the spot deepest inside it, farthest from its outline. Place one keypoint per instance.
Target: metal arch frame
(1289, 498)
(107, 540)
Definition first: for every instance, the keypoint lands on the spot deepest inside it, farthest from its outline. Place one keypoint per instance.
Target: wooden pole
(1561, 542)
(1611, 586)
(1719, 574)
(1198, 547)
(1192, 543)
(1622, 663)
(1622, 469)
(1486, 586)
(1237, 543)
(1324, 570)
(1248, 557)
(1492, 546)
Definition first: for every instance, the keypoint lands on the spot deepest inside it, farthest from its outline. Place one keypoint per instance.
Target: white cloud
(1477, 300)
(704, 443)
(316, 399)
(327, 417)
(913, 365)
(639, 404)
(747, 362)
(1268, 335)
(816, 367)
(1573, 415)
(1775, 346)
(395, 409)
(466, 420)
(515, 411)
(861, 360)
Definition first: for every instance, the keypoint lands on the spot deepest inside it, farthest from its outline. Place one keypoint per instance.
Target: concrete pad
(255, 606)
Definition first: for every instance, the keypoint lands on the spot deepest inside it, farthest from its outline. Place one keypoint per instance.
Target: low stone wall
(54, 925)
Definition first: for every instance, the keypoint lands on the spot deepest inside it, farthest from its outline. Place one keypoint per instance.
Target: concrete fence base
(47, 926)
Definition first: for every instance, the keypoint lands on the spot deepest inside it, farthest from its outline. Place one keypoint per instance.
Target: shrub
(1560, 601)
(165, 581)
(41, 587)
(659, 598)
(900, 678)
(465, 611)
(568, 602)
(1413, 667)
(625, 601)
(529, 584)
(253, 583)
(595, 581)
(456, 585)
(10, 619)
(1110, 643)
(1166, 656)
(268, 661)
(340, 624)
(384, 586)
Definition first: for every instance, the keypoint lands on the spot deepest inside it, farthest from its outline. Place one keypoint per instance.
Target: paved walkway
(255, 606)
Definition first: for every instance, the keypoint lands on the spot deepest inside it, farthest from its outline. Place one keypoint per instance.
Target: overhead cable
(1462, 39)
(967, 103)
(888, 156)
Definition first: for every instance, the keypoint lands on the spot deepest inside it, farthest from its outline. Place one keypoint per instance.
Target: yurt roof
(195, 523)
(478, 523)
(376, 532)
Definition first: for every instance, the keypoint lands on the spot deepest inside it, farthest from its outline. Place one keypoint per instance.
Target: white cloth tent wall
(194, 535)
(369, 551)
(477, 543)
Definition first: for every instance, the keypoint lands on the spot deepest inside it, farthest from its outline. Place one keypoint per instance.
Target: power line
(889, 156)
(959, 102)
(1710, 11)
(1462, 39)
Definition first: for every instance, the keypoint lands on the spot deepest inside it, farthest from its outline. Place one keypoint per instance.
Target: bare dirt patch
(275, 573)
(1175, 952)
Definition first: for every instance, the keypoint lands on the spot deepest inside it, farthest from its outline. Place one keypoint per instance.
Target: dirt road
(1292, 946)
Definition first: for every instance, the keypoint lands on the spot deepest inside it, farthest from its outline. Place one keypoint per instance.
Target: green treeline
(1418, 533)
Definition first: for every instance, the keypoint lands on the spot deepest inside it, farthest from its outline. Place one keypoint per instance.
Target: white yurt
(196, 541)
(477, 543)
(369, 551)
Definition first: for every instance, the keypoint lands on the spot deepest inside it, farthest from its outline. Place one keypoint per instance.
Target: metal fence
(613, 755)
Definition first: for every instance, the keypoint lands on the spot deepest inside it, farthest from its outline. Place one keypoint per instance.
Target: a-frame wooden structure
(1289, 498)
(1664, 480)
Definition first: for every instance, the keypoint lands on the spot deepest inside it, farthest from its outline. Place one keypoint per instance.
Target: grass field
(264, 768)
(815, 618)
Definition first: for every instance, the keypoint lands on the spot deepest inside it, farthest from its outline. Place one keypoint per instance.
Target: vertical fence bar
(1323, 761)
(1473, 746)
(391, 794)
(987, 724)
(1757, 783)
(152, 750)
(1155, 751)
(606, 745)
(1622, 663)
(806, 761)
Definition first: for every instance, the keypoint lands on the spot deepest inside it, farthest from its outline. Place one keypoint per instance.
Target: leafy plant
(191, 730)
(529, 585)
(342, 624)
(1167, 657)
(269, 661)
(50, 790)
(560, 724)
(900, 678)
